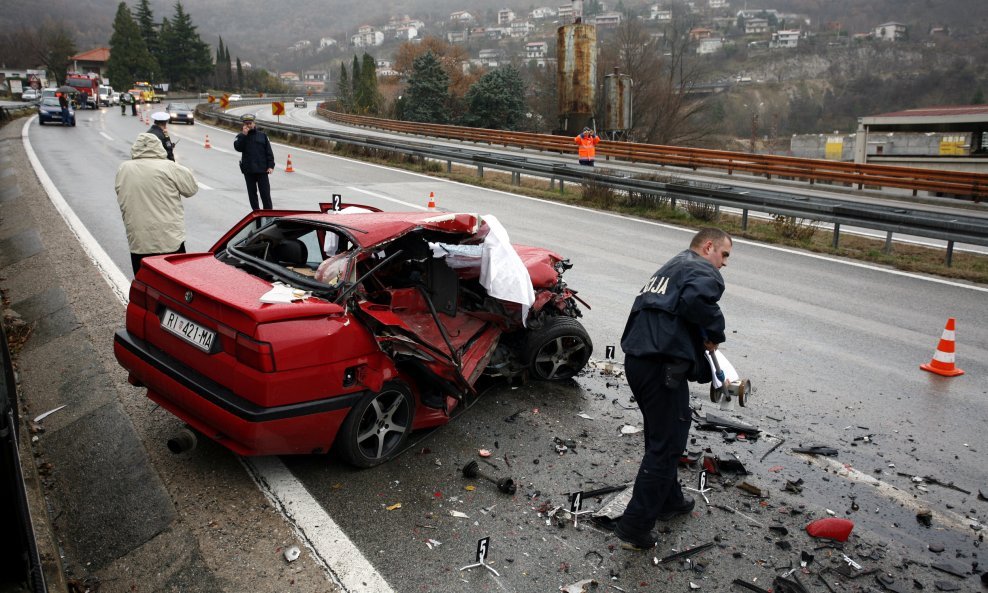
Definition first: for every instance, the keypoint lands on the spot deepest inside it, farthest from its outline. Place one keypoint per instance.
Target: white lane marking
(350, 569)
(110, 272)
(383, 197)
(202, 185)
(107, 136)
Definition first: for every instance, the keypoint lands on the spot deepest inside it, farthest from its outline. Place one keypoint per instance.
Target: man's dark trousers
(255, 182)
(666, 411)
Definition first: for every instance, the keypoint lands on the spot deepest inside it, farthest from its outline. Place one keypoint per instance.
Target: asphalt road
(832, 346)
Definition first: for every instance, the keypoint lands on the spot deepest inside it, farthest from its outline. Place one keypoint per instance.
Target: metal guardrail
(952, 226)
(957, 183)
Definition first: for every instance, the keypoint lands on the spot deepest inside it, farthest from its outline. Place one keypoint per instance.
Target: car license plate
(189, 331)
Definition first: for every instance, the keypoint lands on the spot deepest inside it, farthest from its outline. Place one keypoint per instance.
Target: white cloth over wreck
(502, 273)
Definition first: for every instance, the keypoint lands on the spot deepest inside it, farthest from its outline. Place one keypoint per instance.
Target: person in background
(125, 98)
(150, 189)
(256, 161)
(675, 317)
(63, 102)
(159, 127)
(587, 141)
(133, 105)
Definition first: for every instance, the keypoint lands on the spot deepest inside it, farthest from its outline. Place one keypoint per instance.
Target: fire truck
(87, 85)
(147, 92)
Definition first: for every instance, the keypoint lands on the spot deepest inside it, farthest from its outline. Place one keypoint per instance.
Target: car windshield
(179, 107)
(51, 101)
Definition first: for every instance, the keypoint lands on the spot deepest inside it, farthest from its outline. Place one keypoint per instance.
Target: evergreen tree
(228, 66)
(219, 73)
(354, 83)
(149, 31)
(240, 74)
(497, 100)
(186, 60)
(367, 97)
(130, 59)
(344, 92)
(427, 98)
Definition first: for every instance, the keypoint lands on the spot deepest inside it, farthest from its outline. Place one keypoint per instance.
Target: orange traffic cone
(432, 201)
(943, 359)
(288, 167)
(207, 142)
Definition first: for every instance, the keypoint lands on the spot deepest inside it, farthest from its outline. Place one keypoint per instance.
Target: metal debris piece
(459, 514)
(749, 586)
(794, 486)
(805, 558)
(889, 584)
(585, 416)
(773, 448)
(292, 554)
(950, 568)
(507, 485)
(583, 586)
(41, 417)
(753, 489)
(694, 585)
(687, 553)
(712, 422)
(785, 585)
(816, 450)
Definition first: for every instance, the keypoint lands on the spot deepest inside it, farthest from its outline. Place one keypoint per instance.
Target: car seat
(291, 252)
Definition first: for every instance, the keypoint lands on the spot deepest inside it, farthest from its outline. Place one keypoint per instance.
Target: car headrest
(292, 252)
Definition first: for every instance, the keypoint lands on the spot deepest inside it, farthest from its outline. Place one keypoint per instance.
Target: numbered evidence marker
(609, 352)
(483, 546)
(337, 202)
(576, 506)
(701, 482)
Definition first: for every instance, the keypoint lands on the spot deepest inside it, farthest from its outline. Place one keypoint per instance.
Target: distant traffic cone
(943, 359)
(207, 142)
(288, 167)
(432, 201)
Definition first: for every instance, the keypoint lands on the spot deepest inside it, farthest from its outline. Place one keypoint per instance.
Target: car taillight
(139, 294)
(258, 355)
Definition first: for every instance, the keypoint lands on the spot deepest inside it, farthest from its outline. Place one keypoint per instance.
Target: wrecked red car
(344, 330)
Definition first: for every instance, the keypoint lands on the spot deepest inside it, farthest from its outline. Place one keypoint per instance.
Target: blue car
(50, 111)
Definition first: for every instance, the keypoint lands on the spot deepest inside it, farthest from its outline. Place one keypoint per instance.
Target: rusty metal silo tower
(576, 74)
(617, 104)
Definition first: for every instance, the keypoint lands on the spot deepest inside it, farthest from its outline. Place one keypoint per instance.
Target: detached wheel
(377, 427)
(558, 350)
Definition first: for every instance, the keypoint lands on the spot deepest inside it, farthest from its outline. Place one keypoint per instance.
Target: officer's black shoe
(680, 509)
(636, 537)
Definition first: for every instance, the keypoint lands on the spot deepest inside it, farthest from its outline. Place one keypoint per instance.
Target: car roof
(373, 228)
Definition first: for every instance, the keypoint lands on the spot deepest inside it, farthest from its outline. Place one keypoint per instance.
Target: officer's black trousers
(258, 182)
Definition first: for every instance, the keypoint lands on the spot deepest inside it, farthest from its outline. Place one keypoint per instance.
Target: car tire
(73, 122)
(557, 350)
(377, 427)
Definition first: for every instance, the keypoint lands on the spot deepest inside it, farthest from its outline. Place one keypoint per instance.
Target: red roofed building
(93, 60)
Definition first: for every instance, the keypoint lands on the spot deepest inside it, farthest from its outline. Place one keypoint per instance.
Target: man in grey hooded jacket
(150, 189)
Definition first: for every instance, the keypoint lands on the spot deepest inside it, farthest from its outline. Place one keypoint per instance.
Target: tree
(148, 29)
(240, 74)
(366, 95)
(219, 72)
(354, 83)
(427, 98)
(344, 92)
(130, 59)
(186, 61)
(664, 73)
(53, 48)
(497, 100)
(451, 57)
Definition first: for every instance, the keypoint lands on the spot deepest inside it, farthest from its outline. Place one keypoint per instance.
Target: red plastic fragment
(831, 528)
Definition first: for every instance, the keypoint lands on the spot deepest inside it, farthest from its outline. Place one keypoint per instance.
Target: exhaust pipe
(183, 442)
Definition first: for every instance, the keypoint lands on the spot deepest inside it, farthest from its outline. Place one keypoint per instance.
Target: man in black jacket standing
(160, 121)
(674, 318)
(257, 161)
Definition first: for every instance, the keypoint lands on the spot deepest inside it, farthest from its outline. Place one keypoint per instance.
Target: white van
(105, 93)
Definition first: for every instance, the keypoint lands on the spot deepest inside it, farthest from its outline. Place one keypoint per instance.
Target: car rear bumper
(233, 421)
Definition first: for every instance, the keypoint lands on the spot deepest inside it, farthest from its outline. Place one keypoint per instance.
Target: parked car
(306, 332)
(301, 102)
(235, 98)
(49, 111)
(181, 113)
(30, 94)
(114, 98)
(105, 92)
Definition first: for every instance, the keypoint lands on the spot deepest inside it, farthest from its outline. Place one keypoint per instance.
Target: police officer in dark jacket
(257, 161)
(160, 121)
(674, 318)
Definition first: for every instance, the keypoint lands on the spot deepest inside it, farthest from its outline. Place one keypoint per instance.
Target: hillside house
(521, 29)
(489, 58)
(367, 36)
(606, 20)
(709, 45)
(536, 50)
(461, 16)
(505, 16)
(406, 33)
(93, 60)
(755, 26)
(456, 36)
(659, 14)
(565, 12)
(785, 38)
(699, 33)
(715, 4)
(327, 42)
(543, 12)
(890, 31)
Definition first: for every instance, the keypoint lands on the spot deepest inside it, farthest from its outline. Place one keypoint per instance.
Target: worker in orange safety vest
(587, 141)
